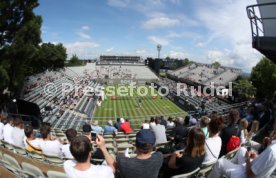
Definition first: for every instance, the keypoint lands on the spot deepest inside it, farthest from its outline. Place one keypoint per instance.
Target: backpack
(233, 143)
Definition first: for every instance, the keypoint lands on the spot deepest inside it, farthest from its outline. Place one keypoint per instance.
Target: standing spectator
(145, 164)
(18, 132)
(159, 132)
(118, 123)
(192, 156)
(7, 130)
(125, 126)
(81, 167)
(204, 121)
(96, 128)
(232, 129)
(109, 129)
(32, 143)
(213, 143)
(65, 149)
(47, 145)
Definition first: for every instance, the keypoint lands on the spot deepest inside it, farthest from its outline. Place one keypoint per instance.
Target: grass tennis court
(129, 107)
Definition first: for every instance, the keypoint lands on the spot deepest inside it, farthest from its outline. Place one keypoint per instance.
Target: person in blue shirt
(109, 128)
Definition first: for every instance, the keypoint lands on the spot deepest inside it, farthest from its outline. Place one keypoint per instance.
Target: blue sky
(201, 30)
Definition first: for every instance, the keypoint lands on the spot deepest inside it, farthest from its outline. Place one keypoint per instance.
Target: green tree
(19, 39)
(216, 64)
(245, 89)
(263, 77)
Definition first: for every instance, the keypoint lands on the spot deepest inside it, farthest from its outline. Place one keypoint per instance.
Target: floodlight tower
(159, 49)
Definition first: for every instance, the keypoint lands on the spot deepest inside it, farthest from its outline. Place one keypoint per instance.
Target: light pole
(159, 49)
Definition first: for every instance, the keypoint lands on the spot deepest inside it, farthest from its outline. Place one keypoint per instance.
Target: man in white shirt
(47, 145)
(7, 131)
(2, 119)
(159, 131)
(80, 148)
(18, 133)
(70, 134)
(246, 163)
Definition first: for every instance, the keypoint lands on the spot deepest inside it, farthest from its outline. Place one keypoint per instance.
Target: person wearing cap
(109, 129)
(118, 123)
(145, 164)
(96, 128)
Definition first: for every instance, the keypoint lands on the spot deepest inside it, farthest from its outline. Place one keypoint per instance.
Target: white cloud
(158, 40)
(141, 51)
(83, 35)
(118, 3)
(109, 50)
(228, 24)
(82, 49)
(85, 27)
(160, 22)
(178, 54)
(200, 44)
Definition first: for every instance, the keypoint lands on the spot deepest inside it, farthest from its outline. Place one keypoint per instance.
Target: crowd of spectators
(188, 143)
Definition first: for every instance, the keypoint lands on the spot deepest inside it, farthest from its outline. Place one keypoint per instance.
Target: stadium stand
(206, 73)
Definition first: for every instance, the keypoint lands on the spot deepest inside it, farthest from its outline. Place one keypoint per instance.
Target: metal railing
(256, 21)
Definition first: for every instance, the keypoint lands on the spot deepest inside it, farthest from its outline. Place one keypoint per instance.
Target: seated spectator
(145, 125)
(232, 129)
(70, 135)
(246, 163)
(159, 131)
(47, 145)
(204, 121)
(86, 131)
(81, 167)
(193, 154)
(32, 143)
(117, 124)
(7, 130)
(170, 123)
(145, 164)
(152, 121)
(163, 121)
(244, 133)
(213, 143)
(18, 132)
(96, 128)
(109, 129)
(179, 133)
(125, 126)
(2, 121)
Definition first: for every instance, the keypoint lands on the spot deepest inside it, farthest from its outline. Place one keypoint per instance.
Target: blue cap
(145, 136)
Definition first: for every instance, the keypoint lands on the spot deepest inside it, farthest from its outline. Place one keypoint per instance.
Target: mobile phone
(93, 136)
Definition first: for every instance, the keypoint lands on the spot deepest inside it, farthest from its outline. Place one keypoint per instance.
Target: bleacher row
(22, 163)
(74, 116)
(205, 74)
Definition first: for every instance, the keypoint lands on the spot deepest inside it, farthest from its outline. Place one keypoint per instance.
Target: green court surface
(128, 106)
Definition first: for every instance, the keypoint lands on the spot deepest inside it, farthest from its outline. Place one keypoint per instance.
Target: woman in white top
(213, 143)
